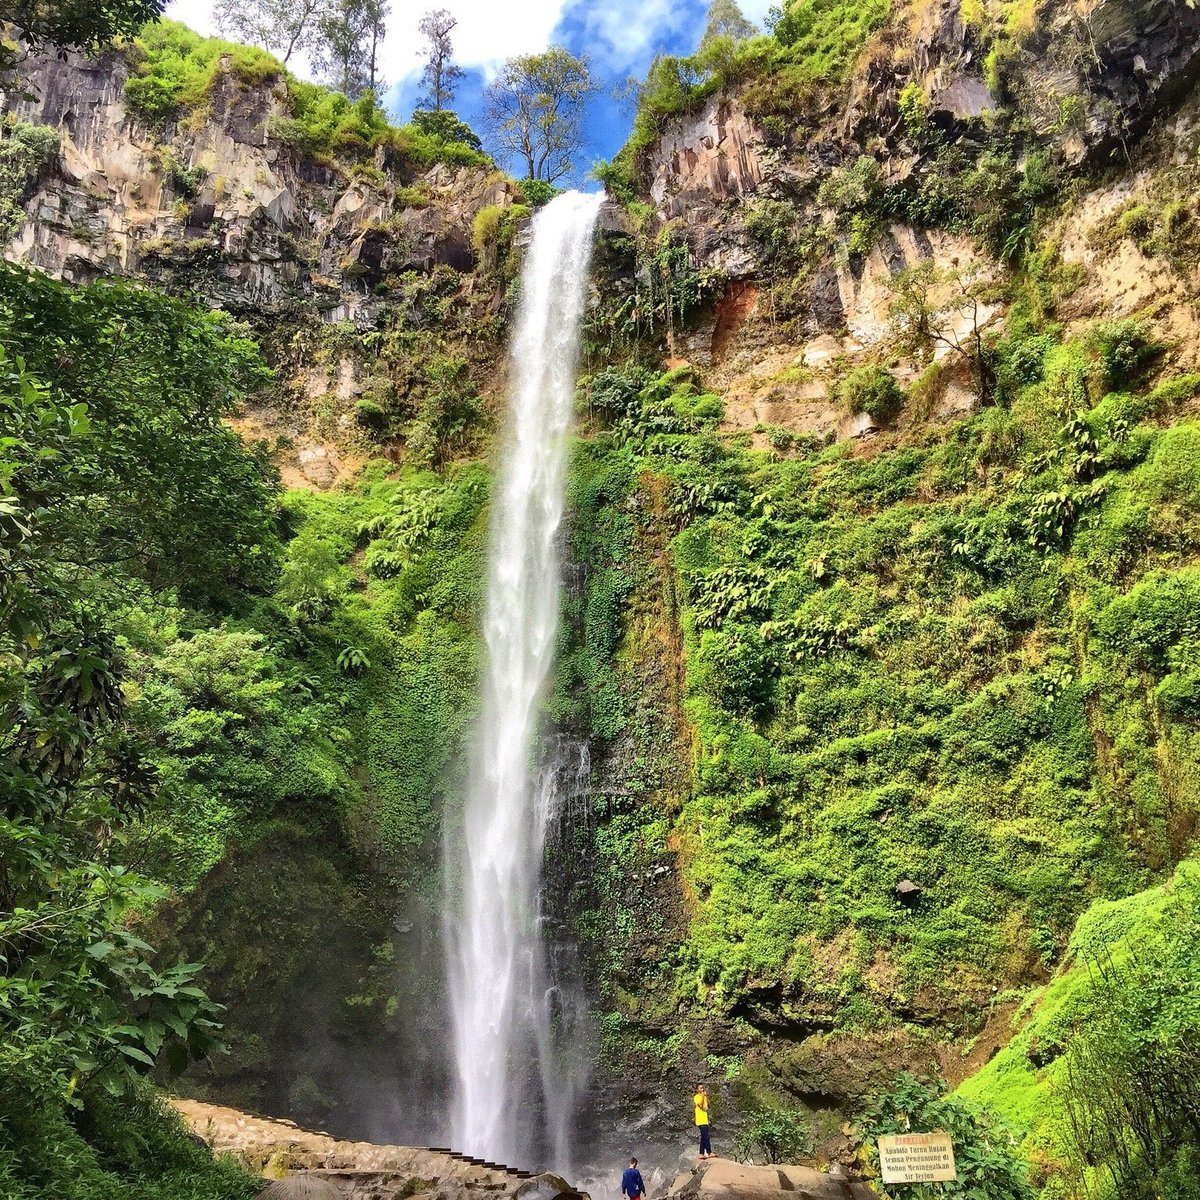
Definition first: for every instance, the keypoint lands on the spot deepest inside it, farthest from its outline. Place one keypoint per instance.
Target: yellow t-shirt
(700, 1100)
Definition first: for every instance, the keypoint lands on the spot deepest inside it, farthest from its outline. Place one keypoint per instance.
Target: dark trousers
(705, 1140)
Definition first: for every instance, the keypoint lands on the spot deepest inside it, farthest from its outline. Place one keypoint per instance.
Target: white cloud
(488, 32)
(196, 13)
(620, 34)
(757, 10)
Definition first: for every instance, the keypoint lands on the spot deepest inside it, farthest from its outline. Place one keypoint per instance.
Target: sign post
(917, 1158)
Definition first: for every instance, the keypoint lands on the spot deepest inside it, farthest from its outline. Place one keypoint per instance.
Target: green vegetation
(24, 150)
(192, 672)
(117, 479)
(963, 660)
(812, 46)
(777, 1135)
(873, 391)
(1101, 1073)
(85, 25)
(985, 1156)
(176, 73)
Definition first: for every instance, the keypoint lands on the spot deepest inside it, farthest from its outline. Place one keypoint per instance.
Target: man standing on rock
(700, 1100)
(631, 1182)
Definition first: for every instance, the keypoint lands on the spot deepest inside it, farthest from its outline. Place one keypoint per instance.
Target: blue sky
(620, 36)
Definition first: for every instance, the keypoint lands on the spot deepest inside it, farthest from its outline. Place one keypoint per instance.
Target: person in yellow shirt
(700, 1100)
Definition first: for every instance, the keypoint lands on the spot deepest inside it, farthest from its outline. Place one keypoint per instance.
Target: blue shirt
(631, 1183)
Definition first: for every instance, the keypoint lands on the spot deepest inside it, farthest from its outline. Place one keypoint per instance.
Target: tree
(350, 36)
(726, 20)
(778, 1135)
(84, 465)
(281, 26)
(75, 24)
(447, 127)
(441, 75)
(534, 110)
(920, 323)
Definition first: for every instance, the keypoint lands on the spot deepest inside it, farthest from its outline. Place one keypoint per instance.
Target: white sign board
(916, 1158)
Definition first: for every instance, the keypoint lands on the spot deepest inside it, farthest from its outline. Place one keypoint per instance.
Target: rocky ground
(278, 1149)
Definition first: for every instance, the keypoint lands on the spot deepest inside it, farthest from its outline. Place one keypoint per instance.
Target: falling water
(502, 1002)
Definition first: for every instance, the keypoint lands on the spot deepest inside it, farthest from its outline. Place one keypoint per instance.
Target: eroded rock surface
(263, 227)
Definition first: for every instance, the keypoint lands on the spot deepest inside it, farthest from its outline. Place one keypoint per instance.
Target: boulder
(722, 1179)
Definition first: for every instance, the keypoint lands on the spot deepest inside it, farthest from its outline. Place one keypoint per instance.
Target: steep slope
(882, 620)
(346, 244)
(915, 493)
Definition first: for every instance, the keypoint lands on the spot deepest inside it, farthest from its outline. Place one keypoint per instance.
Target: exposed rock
(705, 158)
(301, 1159)
(267, 225)
(720, 1179)
(300, 1187)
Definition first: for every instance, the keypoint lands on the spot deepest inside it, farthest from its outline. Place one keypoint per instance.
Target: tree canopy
(281, 26)
(534, 110)
(726, 20)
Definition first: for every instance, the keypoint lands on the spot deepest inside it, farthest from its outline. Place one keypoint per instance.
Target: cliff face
(1106, 92)
(311, 251)
(1000, 190)
(261, 226)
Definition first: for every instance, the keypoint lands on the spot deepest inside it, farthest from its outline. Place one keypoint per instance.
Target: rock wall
(1089, 84)
(265, 227)
(312, 252)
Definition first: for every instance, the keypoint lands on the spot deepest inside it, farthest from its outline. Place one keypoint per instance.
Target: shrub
(873, 391)
(778, 1135)
(1125, 348)
(447, 127)
(537, 192)
(24, 150)
(914, 109)
(989, 1165)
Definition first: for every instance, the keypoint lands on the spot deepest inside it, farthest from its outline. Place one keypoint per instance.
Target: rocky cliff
(315, 251)
(1102, 96)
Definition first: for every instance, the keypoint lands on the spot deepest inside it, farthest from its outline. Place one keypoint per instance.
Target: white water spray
(497, 975)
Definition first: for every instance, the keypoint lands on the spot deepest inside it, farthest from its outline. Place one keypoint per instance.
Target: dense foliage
(985, 1157)
(103, 392)
(176, 71)
(962, 660)
(1101, 1075)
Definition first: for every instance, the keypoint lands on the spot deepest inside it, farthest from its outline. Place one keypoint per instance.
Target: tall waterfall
(501, 995)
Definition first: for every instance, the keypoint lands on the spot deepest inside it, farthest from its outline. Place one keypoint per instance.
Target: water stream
(507, 1012)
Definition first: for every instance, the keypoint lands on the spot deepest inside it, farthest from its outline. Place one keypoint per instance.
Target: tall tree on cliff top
(534, 110)
(726, 20)
(281, 26)
(441, 75)
(349, 40)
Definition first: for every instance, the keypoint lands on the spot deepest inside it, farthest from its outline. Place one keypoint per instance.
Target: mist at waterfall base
(518, 1017)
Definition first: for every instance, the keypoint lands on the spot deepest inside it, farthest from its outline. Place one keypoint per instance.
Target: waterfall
(502, 1001)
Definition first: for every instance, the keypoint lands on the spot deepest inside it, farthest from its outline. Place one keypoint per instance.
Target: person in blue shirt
(631, 1182)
